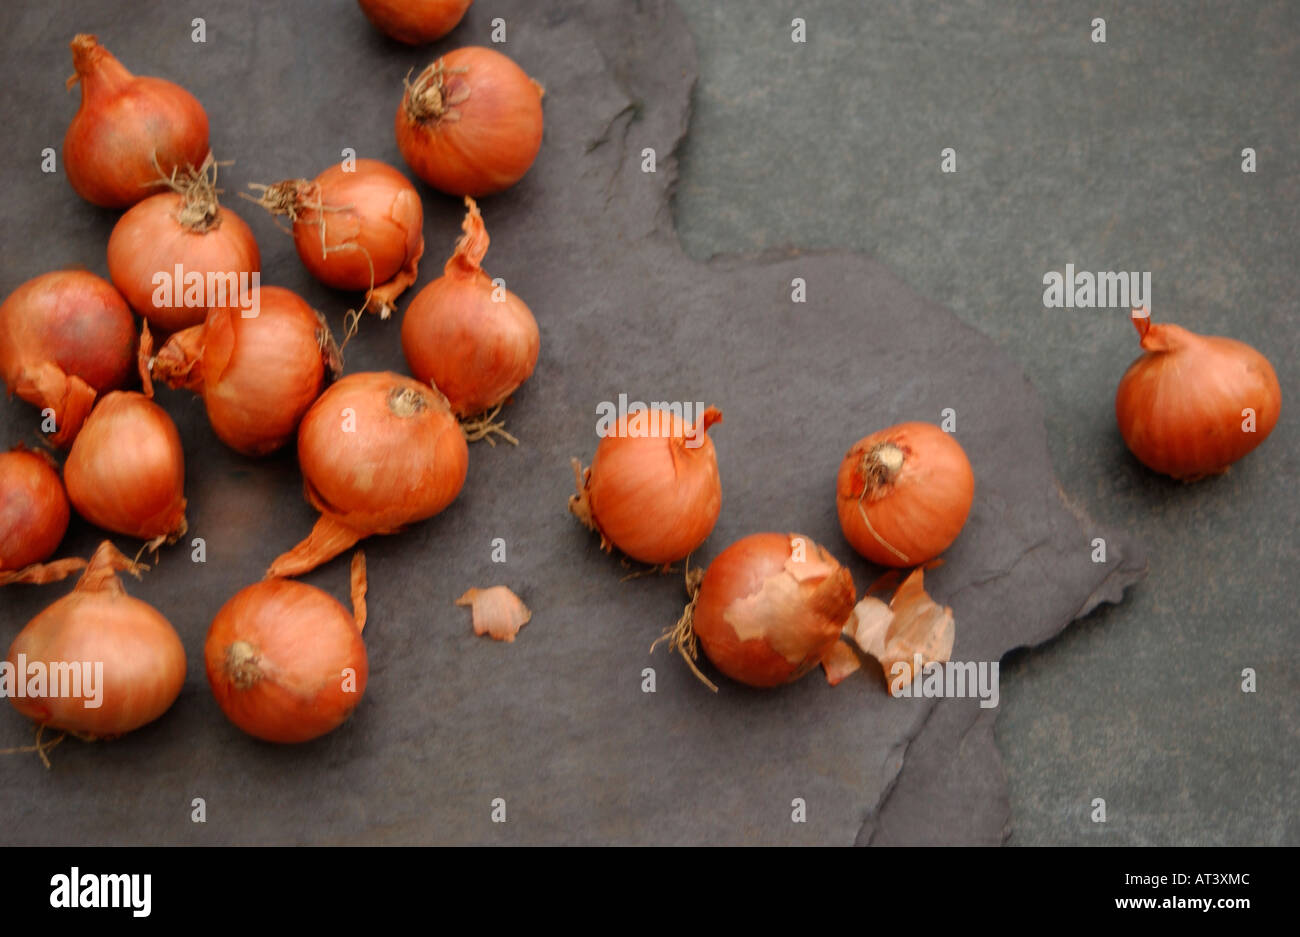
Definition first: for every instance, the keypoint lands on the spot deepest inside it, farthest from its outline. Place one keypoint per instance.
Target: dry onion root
(895, 634)
(767, 610)
(476, 342)
(126, 469)
(653, 496)
(357, 226)
(496, 612)
(34, 516)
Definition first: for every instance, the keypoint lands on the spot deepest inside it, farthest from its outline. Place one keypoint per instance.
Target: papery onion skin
(763, 625)
(123, 123)
(458, 337)
(33, 509)
(415, 22)
(126, 470)
(470, 123)
(916, 507)
(1180, 405)
(378, 451)
(142, 656)
(257, 375)
(276, 656)
(358, 225)
(655, 498)
(65, 337)
(149, 239)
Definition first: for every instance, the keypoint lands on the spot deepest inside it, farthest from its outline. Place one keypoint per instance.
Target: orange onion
(65, 337)
(129, 662)
(181, 235)
(126, 470)
(1192, 405)
(903, 494)
(653, 489)
(766, 611)
(415, 22)
(378, 451)
(357, 226)
(474, 341)
(470, 123)
(33, 518)
(129, 130)
(257, 375)
(285, 660)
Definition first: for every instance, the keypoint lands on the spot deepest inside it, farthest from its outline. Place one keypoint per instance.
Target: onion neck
(97, 69)
(472, 246)
(101, 572)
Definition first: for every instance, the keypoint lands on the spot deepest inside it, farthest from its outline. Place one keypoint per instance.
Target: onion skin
(33, 509)
(455, 336)
(917, 506)
(150, 239)
(257, 375)
(142, 656)
(653, 497)
(123, 122)
(404, 460)
(1179, 406)
(415, 22)
(126, 470)
(470, 123)
(65, 337)
(275, 657)
(763, 617)
(358, 229)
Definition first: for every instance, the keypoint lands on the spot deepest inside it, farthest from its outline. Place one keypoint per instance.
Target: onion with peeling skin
(766, 611)
(33, 518)
(65, 337)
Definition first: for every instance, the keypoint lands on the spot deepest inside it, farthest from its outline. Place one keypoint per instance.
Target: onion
(131, 654)
(415, 22)
(1194, 404)
(257, 375)
(474, 342)
(33, 518)
(378, 451)
(182, 233)
(767, 611)
(126, 470)
(470, 123)
(357, 228)
(65, 337)
(128, 130)
(652, 490)
(904, 493)
(286, 661)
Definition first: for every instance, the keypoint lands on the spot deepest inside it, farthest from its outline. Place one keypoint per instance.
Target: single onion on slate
(143, 662)
(359, 225)
(470, 123)
(653, 489)
(1192, 405)
(378, 451)
(903, 494)
(473, 340)
(65, 337)
(768, 610)
(33, 518)
(128, 130)
(126, 469)
(285, 660)
(185, 231)
(415, 22)
(257, 375)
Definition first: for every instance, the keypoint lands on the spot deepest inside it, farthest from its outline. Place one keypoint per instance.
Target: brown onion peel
(653, 497)
(496, 612)
(1191, 405)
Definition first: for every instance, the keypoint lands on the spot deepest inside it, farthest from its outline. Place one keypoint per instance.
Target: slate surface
(555, 724)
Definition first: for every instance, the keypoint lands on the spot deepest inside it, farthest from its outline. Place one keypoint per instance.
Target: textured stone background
(1122, 156)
